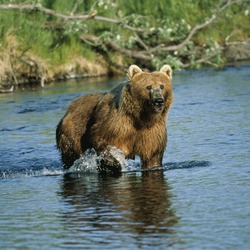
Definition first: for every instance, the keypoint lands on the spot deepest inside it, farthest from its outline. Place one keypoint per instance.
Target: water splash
(119, 156)
(22, 173)
(88, 163)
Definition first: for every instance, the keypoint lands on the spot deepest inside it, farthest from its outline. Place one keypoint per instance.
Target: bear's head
(154, 89)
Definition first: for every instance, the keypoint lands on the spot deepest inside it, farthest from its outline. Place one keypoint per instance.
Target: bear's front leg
(152, 162)
(111, 160)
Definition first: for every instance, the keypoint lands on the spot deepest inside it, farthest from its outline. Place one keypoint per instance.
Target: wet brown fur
(123, 117)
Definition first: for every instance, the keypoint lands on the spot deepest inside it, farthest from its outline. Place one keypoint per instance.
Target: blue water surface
(199, 201)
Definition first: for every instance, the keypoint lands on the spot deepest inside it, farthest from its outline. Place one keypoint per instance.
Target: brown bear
(131, 117)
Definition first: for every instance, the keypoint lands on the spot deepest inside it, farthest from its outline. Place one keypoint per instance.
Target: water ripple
(13, 129)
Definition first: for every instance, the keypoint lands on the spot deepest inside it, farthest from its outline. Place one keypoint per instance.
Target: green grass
(57, 42)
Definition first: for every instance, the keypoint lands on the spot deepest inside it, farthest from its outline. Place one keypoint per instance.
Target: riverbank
(80, 67)
(50, 41)
(237, 51)
(37, 73)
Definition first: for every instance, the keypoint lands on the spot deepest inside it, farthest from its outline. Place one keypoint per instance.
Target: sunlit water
(201, 199)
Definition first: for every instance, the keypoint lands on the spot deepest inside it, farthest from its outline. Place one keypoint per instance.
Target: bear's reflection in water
(137, 203)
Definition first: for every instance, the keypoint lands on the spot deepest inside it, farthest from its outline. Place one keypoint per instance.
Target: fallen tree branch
(94, 16)
(65, 17)
(95, 41)
(142, 51)
(205, 60)
(74, 8)
(196, 28)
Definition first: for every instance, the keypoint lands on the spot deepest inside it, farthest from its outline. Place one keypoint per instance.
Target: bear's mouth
(158, 109)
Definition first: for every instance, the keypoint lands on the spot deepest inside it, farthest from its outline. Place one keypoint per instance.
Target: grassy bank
(54, 39)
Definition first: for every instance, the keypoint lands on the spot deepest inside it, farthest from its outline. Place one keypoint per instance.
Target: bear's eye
(162, 86)
(149, 87)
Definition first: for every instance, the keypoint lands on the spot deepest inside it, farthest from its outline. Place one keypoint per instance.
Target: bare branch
(139, 40)
(68, 17)
(205, 60)
(91, 39)
(197, 28)
(74, 8)
(146, 52)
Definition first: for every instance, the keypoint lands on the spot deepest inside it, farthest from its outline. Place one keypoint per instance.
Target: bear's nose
(159, 101)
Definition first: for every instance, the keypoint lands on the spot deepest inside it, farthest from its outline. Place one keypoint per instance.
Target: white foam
(30, 173)
(119, 156)
(88, 162)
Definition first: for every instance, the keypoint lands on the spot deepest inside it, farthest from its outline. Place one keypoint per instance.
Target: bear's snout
(158, 104)
(157, 99)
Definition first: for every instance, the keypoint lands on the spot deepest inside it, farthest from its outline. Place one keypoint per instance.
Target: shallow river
(201, 199)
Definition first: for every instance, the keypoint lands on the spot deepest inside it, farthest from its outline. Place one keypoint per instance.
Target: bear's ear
(167, 70)
(132, 71)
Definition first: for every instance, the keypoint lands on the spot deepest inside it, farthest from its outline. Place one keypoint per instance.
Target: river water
(200, 200)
